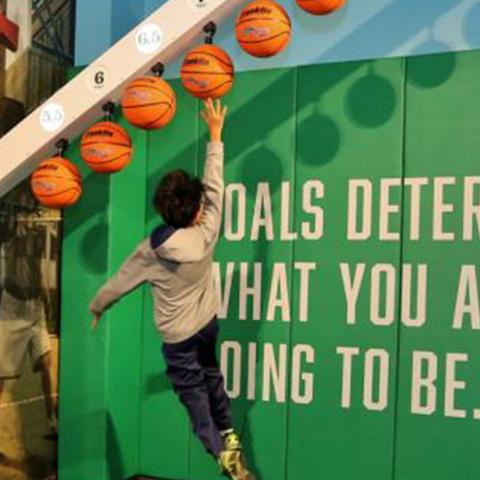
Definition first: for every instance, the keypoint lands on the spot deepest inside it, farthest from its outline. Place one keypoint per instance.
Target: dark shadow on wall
(371, 101)
(261, 165)
(157, 384)
(94, 245)
(94, 202)
(325, 140)
(430, 71)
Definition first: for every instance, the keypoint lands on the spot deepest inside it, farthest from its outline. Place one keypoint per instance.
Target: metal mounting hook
(158, 69)
(109, 109)
(62, 146)
(210, 29)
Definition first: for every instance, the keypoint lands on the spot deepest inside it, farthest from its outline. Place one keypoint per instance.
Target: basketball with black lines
(106, 147)
(321, 7)
(207, 72)
(263, 28)
(149, 103)
(56, 183)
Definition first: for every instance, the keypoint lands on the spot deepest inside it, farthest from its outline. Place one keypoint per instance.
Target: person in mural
(177, 261)
(24, 306)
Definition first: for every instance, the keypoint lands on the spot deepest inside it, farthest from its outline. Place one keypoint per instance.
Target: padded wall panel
(164, 439)
(437, 429)
(349, 127)
(125, 321)
(83, 398)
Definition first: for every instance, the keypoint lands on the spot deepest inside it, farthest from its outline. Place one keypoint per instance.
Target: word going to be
(273, 372)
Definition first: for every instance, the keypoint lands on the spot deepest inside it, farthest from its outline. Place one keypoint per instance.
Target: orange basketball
(207, 71)
(56, 183)
(320, 7)
(149, 103)
(106, 147)
(263, 28)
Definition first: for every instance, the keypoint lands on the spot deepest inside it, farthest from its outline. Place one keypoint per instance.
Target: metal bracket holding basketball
(160, 38)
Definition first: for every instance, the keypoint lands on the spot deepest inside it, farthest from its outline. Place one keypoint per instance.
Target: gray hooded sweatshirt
(177, 264)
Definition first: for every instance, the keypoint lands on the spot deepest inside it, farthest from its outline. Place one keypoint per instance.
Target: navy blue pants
(193, 369)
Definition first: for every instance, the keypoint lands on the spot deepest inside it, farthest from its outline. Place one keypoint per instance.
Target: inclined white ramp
(159, 38)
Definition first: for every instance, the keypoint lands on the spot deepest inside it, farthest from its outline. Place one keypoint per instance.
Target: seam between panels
(400, 271)
(293, 215)
(142, 309)
(106, 363)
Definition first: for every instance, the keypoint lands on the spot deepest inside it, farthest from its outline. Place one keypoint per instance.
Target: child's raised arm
(196, 242)
(211, 216)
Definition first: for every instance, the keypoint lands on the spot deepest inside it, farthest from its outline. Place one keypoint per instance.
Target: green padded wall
(325, 169)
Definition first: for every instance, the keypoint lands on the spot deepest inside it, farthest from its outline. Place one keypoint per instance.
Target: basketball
(320, 7)
(106, 147)
(149, 103)
(263, 28)
(56, 183)
(207, 72)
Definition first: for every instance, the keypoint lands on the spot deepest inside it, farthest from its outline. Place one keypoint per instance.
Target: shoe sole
(235, 477)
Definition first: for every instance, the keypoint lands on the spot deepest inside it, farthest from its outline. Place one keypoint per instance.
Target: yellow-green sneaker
(231, 441)
(233, 466)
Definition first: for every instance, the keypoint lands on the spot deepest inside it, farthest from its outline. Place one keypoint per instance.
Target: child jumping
(176, 260)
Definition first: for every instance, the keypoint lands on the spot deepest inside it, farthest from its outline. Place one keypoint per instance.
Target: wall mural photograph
(36, 48)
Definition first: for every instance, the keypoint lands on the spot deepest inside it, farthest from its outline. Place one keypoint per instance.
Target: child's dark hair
(178, 198)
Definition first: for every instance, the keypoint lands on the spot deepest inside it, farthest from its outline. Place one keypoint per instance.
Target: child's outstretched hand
(96, 319)
(214, 117)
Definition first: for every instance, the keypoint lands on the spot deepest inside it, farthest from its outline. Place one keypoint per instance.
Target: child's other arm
(131, 274)
(211, 217)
